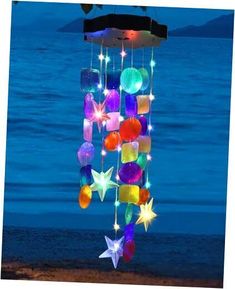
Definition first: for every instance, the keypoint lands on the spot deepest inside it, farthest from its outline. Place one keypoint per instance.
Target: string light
(101, 56)
(146, 214)
(152, 63)
(147, 185)
(106, 91)
(123, 53)
(116, 228)
(151, 97)
(107, 59)
(121, 118)
(149, 157)
(150, 127)
(103, 153)
(117, 203)
(119, 148)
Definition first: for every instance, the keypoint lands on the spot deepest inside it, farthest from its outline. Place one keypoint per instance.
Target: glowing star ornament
(102, 182)
(114, 251)
(99, 114)
(146, 214)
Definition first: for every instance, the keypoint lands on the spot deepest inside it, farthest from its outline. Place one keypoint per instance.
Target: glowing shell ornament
(118, 98)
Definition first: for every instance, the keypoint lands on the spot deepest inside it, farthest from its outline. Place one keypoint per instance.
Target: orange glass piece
(112, 141)
(143, 104)
(144, 195)
(130, 129)
(85, 196)
(144, 144)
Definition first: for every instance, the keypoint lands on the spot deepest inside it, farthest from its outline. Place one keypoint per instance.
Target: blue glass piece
(90, 79)
(130, 105)
(113, 79)
(86, 177)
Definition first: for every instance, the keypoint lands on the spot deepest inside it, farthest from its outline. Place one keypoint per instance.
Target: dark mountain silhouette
(220, 27)
(75, 26)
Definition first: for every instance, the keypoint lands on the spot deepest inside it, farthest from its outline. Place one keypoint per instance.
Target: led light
(146, 214)
(116, 228)
(98, 114)
(149, 157)
(101, 57)
(150, 127)
(121, 118)
(102, 182)
(99, 85)
(117, 178)
(151, 97)
(119, 148)
(123, 53)
(106, 91)
(147, 185)
(103, 153)
(107, 59)
(117, 203)
(152, 63)
(120, 88)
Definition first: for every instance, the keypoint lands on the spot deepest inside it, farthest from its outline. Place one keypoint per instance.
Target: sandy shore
(19, 271)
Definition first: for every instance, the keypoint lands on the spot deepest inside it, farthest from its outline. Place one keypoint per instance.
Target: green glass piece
(128, 213)
(131, 80)
(142, 161)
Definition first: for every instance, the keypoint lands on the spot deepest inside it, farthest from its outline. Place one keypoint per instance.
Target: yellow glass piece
(130, 152)
(144, 144)
(143, 104)
(129, 194)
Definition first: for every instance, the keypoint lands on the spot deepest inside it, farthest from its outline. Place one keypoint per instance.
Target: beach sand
(20, 271)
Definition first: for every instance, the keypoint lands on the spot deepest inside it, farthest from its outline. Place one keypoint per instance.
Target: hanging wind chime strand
(119, 101)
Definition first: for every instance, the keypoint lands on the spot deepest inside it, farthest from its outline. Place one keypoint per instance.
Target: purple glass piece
(86, 177)
(88, 105)
(129, 232)
(143, 179)
(130, 105)
(113, 79)
(86, 153)
(90, 79)
(144, 124)
(130, 173)
(112, 100)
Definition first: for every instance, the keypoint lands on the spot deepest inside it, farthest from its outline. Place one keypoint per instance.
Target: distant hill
(75, 26)
(221, 27)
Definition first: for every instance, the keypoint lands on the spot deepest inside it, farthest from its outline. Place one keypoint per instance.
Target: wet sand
(20, 271)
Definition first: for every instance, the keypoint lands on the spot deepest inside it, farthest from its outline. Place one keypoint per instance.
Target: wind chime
(120, 101)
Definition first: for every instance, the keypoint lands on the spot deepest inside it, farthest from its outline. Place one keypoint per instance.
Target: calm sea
(190, 139)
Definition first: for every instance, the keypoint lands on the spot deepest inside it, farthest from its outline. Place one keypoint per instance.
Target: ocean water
(190, 117)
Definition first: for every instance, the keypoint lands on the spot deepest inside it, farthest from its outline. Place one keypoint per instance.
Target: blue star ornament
(114, 251)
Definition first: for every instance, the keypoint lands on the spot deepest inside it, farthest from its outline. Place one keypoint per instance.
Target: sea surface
(188, 171)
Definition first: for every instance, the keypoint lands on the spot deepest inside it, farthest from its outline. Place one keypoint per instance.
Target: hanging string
(132, 53)
(101, 70)
(143, 56)
(92, 52)
(106, 67)
(152, 64)
(116, 204)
